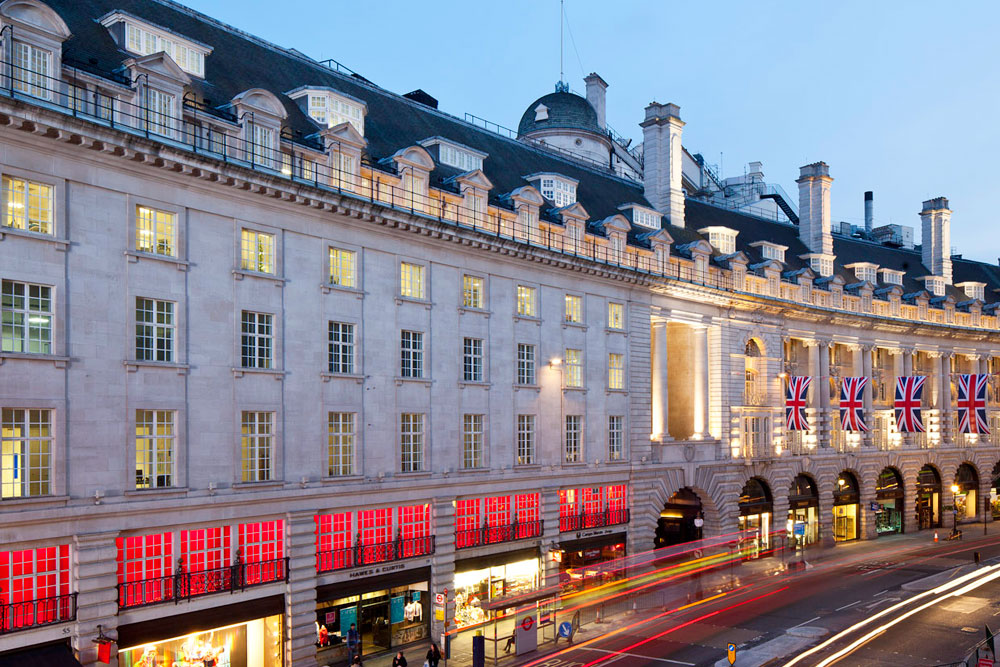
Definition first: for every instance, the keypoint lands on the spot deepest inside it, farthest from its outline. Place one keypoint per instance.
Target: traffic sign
(439, 599)
(526, 634)
(565, 629)
(799, 529)
(731, 653)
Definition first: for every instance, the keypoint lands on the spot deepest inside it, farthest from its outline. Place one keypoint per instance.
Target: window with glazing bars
(473, 292)
(343, 267)
(340, 443)
(256, 340)
(411, 280)
(472, 441)
(525, 439)
(616, 370)
(411, 354)
(525, 364)
(26, 311)
(616, 316)
(257, 251)
(573, 450)
(411, 441)
(527, 301)
(154, 449)
(574, 309)
(341, 348)
(25, 452)
(154, 330)
(255, 446)
(28, 205)
(574, 368)
(472, 359)
(31, 71)
(158, 116)
(616, 437)
(155, 231)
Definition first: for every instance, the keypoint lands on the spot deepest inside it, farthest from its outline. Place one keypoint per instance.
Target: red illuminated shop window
(467, 523)
(333, 542)
(497, 520)
(145, 566)
(375, 527)
(206, 553)
(569, 510)
(617, 504)
(34, 587)
(262, 547)
(415, 529)
(526, 514)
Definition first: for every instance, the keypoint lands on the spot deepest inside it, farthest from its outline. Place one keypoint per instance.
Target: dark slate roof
(566, 110)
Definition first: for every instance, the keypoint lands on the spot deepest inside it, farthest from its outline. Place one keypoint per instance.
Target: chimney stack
(596, 93)
(935, 237)
(814, 207)
(869, 212)
(661, 146)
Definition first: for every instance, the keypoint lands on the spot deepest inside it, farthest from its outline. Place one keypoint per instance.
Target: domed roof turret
(561, 110)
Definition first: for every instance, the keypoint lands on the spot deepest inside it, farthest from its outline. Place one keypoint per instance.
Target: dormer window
(890, 277)
(866, 272)
(144, 39)
(541, 113)
(770, 250)
(560, 192)
(330, 109)
(821, 264)
(644, 217)
(935, 286)
(722, 239)
(974, 290)
(32, 69)
(457, 157)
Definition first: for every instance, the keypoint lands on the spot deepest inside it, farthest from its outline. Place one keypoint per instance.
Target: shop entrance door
(375, 626)
(926, 515)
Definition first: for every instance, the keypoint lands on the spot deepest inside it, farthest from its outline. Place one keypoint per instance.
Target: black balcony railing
(583, 521)
(370, 554)
(187, 585)
(519, 530)
(36, 613)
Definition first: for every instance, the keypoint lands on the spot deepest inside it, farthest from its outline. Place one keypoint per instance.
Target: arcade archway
(846, 507)
(756, 511)
(803, 511)
(679, 520)
(889, 498)
(928, 501)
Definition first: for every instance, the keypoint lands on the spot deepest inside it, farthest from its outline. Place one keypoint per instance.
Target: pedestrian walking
(433, 656)
(399, 660)
(353, 645)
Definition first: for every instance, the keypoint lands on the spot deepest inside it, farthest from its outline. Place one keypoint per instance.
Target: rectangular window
(497, 511)
(472, 441)
(261, 542)
(616, 370)
(574, 368)
(145, 557)
(456, 157)
(526, 506)
(154, 449)
(31, 71)
(574, 439)
(616, 316)
(28, 205)
(206, 549)
(318, 108)
(333, 541)
(411, 280)
(415, 527)
(155, 231)
(527, 301)
(340, 443)
(25, 453)
(473, 292)
(158, 116)
(343, 267)
(26, 311)
(574, 309)
(341, 348)
(569, 510)
(411, 354)
(411, 442)
(467, 524)
(525, 440)
(154, 330)
(144, 42)
(525, 364)
(255, 446)
(616, 437)
(256, 340)
(645, 218)
(34, 574)
(257, 251)
(262, 146)
(375, 529)
(472, 359)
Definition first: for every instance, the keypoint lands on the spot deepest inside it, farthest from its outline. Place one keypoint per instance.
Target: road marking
(871, 572)
(880, 593)
(637, 655)
(847, 605)
(803, 623)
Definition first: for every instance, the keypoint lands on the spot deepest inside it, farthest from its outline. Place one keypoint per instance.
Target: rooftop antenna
(561, 86)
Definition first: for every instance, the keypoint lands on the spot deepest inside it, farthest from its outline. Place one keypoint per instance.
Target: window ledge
(462, 310)
(135, 255)
(416, 474)
(609, 330)
(623, 392)
(327, 376)
(270, 484)
(471, 471)
(240, 372)
(165, 491)
(574, 464)
(409, 299)
(58, 360)
(474, 383)
(340, 479)
(574, 325)
(527, 466)
(582, 390)
(616, 462)
(133, 365)
(326, 288)
(528, 318)
(33, 500)
(240, 274)
(529, 387)
(60, 244)
(424, 381)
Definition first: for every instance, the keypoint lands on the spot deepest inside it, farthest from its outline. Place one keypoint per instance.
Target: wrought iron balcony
(583, 521)
(370, 554)
(187, 585)
(29, 614)
(475, 537)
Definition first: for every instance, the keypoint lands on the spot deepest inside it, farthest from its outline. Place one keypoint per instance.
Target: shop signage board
(396, 608)
(526, 639)
(348, 615)
(384, 569)
(598, 532)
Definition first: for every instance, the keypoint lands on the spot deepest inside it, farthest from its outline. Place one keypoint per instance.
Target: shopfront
(967, 495)
(846, 508)
(243, 635)
(756, 507)
(480, 581)
(591, 562)
(389, 610)
(889, 497)
(928, 498)
(803, 512)
(679, 519)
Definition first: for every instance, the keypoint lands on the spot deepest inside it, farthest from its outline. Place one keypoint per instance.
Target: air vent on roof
(420, 96)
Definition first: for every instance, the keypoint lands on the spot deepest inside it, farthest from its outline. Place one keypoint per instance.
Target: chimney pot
(869, 212)
(814, 207)
(935, 237)
(661, 146)
(596, 96)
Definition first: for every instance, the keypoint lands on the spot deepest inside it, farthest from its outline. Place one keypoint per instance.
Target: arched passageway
(680, 519)
(928, 499)
(803, 512)
(846, 508)
(755, 520)
(889, 498)
(966, 493)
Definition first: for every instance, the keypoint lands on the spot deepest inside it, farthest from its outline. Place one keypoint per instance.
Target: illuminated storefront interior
(928, 498)
(476, 587)
(385, 618)
(755, 517)
(846, 509)
(588, 563)
(803, 512)
(256, 643)
(966, 497)
(889, 497)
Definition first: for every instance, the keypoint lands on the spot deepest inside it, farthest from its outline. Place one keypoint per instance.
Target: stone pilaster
(550, 534)
(701, 391)
(944, 399)
(443, 562)
(95, 559)
(661, 383)
(300, 591)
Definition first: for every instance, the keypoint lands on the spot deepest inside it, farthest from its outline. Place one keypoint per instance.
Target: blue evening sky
(897, 97)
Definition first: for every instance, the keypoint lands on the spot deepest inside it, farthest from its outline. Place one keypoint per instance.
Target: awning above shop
(52, 655)
(593, 542)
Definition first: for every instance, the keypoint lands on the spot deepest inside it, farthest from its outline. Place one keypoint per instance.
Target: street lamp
(954, 509)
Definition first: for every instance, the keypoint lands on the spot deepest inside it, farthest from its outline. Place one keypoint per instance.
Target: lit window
(255, 446)
(473, 292)
(723, 240)
(31, 71)
(411, 280)
(574, 309)
(527, 222)
(27, 318)
(340, 443)
(573, 450)
(154, 449)
(527, 301)
(411, 442)
(343, 267)
(374, 529)
(559, 192)
(25, 453)
(262, 148)
(154, 330)
(144, 41)
(415, 528)
(206, 549)
(144, 558)
(616, 370)
(331, 110)
(472, 441)
(616, 437)
(29, 575)
(525, 364)
(318, 108)
(159, 113)
(257, 251)
(456, 157)
(411, 354)
(27, 205)
(616, 316)
(333, 541)
(574, 368)
(262, 542)
(974, 291)
(155, 231)
(646, 218)
(341, 348)
(256, 340)
(772, 252)
(472, 359)
(525, 439)
(868, 273)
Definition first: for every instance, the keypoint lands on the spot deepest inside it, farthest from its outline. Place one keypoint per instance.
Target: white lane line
(803, 623)
(847, 605)
(872, 572)
(637, 655)
(880, 593)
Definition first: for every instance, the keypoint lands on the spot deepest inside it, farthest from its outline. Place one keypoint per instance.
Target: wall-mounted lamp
(555, 362)
(954, 488)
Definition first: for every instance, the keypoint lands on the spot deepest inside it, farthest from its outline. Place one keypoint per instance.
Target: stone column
(867, 351)
(813, 396)
(822, 389)
(300, 591)
(701, 398)
(95, 560)
(660, 383)
(944, 399)
(443, 562)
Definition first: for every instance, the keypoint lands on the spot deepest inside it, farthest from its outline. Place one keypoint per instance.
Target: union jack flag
(795, 403)
(972, 404)
(908, 393)
(852, 404)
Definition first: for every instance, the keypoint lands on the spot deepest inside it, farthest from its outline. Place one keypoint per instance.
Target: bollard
(935, 536)
(600, 609)
(975, 556)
